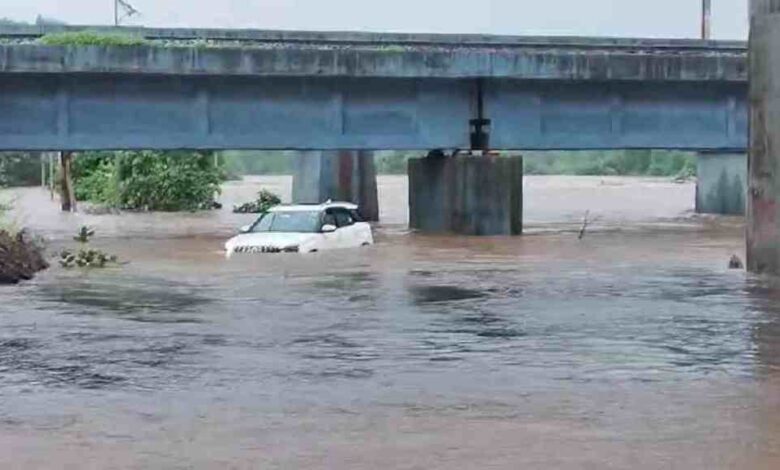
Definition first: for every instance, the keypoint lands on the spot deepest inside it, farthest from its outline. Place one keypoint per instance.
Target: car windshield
(289, 221)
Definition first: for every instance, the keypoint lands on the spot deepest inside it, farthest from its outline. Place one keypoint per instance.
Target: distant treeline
(23, 169)
(238, 163)
(620, 163)
(20, 169)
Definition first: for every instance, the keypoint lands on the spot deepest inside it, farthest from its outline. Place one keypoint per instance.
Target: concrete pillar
(337, 175)
(763, 211)
(469, 195)
(721, 184)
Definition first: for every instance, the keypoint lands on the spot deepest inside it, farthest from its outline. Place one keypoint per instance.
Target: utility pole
(43, 169)
(706, 16)
(127, 11)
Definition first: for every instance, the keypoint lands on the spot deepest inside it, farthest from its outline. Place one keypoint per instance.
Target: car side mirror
(328, 228)
(245, 229)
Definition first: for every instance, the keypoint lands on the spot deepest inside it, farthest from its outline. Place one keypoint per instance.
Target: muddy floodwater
(634, 347)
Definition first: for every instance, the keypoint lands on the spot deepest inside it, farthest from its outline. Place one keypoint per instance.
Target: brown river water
(634, 347)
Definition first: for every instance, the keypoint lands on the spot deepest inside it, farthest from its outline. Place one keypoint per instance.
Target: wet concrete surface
(634, 347)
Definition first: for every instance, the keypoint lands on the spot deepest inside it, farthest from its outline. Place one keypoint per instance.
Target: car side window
(356, 216)
(329, 219)
(343, 218)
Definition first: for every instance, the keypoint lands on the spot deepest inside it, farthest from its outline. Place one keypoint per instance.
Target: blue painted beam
(42, 112)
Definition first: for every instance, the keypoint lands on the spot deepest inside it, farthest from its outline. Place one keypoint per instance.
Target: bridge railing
(33, 32)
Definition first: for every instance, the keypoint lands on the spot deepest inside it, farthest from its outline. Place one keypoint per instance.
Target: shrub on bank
(90, 38)
(148, 180)
(21, 257)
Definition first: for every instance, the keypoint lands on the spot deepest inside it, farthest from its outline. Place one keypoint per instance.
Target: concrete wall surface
(339, 176)
(763, 220)
(564, 62)
(468, 195)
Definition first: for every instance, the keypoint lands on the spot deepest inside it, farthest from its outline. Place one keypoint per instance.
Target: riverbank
(21, 258)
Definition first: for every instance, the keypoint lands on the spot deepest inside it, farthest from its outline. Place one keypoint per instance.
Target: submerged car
(303, 229)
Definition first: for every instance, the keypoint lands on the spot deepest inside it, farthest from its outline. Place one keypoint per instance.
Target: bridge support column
(763, 211)
(721, 184)
(468, 195)
(338, 175)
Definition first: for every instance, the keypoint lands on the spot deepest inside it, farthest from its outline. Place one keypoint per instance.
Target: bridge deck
(280, 53)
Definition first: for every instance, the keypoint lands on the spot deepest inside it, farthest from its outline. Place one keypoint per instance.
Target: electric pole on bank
(706, 17)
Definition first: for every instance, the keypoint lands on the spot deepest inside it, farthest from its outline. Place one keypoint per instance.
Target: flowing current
(633, 347)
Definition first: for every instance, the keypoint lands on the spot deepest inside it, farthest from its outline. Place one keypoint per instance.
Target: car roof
(313, 207)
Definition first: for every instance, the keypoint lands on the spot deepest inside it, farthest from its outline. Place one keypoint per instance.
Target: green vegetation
(20, 169)
(148, 180)
(394, 163)
(90, 38)
(238, 163)
(618, 162)
(85, 257)
(265, 200)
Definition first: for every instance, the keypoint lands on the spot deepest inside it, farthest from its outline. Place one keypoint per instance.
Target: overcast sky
(646, 18)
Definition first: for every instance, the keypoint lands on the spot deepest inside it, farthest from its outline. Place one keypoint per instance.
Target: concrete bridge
(271, 90)
(212, 89)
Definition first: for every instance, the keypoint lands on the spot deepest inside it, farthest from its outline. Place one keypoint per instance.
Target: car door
(362, 229)
(348, 236)
(330, 240)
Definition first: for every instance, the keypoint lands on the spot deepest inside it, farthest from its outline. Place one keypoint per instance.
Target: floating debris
(736, 263)
(84, 234)
(85, 257)
(265, 200)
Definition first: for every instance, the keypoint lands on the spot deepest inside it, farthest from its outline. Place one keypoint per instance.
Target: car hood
(272, 239)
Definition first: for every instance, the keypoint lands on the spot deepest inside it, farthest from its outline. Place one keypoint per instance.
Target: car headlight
(292, 249)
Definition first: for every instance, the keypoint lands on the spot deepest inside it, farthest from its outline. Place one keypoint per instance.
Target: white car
(303, 229)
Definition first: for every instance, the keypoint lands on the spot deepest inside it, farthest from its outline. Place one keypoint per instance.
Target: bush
(265, 200)
(85, 257)
(99, 185)
(20, 169)
(148, 180)
(90, 38)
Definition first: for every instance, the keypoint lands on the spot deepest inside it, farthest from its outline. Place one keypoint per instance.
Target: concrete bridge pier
(763, 212)
(721, 183)
(344, 175)
(466, 194)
